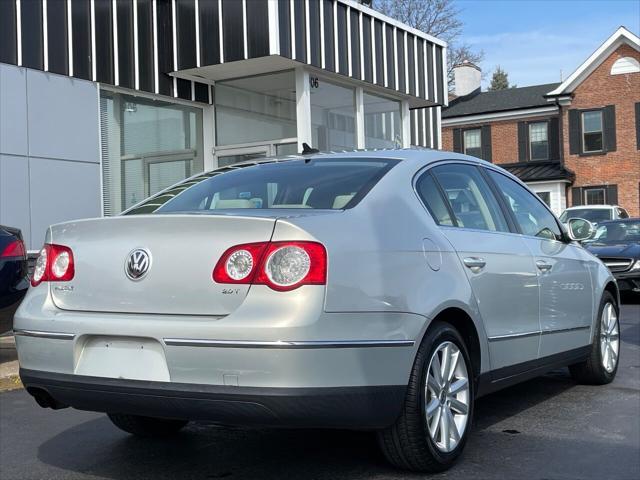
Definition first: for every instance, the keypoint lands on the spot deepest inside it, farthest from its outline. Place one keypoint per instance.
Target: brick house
(574, 143)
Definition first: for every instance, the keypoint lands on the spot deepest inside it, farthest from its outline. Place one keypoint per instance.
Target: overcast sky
(534, 40)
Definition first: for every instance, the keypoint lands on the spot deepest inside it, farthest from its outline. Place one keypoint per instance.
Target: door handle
(475, 264)
(543, 266)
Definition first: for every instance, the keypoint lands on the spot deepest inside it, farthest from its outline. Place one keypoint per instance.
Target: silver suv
(378, 290)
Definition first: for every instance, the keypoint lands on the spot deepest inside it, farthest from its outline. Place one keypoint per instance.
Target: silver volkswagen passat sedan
(382, 290)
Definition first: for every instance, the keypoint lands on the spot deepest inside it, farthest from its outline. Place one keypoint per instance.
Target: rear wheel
(602, 364)
(146, 426)
(434, 424)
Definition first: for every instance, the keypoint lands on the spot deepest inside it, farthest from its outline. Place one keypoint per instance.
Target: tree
(499, 80)
(440, 18)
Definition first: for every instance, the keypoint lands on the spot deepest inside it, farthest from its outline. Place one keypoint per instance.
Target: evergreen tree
(499, 80)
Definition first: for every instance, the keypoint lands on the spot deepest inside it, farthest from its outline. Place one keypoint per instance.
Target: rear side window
(531, 215)
(430, 195)
(470, 198)
(314, 183)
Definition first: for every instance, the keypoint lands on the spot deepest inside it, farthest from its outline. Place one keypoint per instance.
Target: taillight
(14, 249)
(287, 265)
(54, 264)
(281, 266)
(239, 264)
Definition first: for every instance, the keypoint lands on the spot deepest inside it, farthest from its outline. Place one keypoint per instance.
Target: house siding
(622, 166)
(504, 138)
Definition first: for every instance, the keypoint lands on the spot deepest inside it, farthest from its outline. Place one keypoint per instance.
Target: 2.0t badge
(137, 264)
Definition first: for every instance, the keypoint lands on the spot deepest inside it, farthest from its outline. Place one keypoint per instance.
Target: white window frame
(464, 143)
(546, 124)
(594, 189)
(303, 113)
(208, 125)
(584, 145)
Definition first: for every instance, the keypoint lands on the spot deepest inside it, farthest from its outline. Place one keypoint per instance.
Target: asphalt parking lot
(547, 428)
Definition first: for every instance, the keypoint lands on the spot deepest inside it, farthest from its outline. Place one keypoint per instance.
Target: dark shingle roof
(540, 171)
(499, 101)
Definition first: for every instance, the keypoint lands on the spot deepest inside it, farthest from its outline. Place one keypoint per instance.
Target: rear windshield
(318, 184)
(592, 214)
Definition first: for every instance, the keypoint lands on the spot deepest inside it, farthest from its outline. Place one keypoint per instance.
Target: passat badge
(137, 264)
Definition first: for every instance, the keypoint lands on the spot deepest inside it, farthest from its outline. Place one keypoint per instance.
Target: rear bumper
(365, 407)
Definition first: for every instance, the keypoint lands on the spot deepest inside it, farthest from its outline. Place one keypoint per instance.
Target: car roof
(593, 207)
(412, 159)
(420, 155)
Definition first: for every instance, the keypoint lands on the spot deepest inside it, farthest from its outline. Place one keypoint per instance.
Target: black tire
(592, 371)
(146, 426)
(407, 443)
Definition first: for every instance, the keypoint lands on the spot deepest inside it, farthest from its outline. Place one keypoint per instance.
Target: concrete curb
(9, 379)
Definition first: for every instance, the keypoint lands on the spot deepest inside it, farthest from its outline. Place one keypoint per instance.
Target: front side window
(539, 140)
(530, 214)
(470, 198)
(310, 184)
(592, 135)
(594, 196)
(472, 142)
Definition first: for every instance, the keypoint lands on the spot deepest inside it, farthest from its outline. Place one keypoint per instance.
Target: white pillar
(208, 136)
(360, 141)
(303, 108)
(406, 124)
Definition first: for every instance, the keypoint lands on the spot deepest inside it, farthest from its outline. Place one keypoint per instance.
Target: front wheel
(434, 424)
(146, 426)
(602, 364)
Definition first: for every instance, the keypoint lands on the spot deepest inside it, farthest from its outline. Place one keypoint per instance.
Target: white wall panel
(63, 117)
(14, 193)
(61, 191)
(13, 110)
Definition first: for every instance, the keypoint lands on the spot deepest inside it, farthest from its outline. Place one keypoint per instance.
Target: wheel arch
(612, 288)
(462, 321)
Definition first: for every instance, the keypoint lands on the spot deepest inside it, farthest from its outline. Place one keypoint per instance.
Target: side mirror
(580, 229)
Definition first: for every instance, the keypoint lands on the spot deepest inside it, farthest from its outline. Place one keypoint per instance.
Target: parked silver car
(373, 290)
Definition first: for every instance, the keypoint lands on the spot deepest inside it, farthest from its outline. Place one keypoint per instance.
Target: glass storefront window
(286, 149)
(333, 117)
(147, 145)
(256, 109)
(382, 127)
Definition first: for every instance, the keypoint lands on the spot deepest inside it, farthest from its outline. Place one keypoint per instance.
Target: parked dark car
(14, 280)
(617, 244)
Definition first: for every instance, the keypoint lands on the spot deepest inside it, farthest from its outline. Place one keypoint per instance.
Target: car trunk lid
(183, 251)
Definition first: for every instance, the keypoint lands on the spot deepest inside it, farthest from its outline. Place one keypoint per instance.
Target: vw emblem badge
(137, 264)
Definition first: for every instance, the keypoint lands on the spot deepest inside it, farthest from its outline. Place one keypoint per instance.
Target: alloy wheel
(447, 397)
(609, 338)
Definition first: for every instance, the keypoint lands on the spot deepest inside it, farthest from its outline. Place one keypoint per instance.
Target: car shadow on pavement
(208, 451)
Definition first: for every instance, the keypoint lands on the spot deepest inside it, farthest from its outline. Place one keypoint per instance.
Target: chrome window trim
(511, 336)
